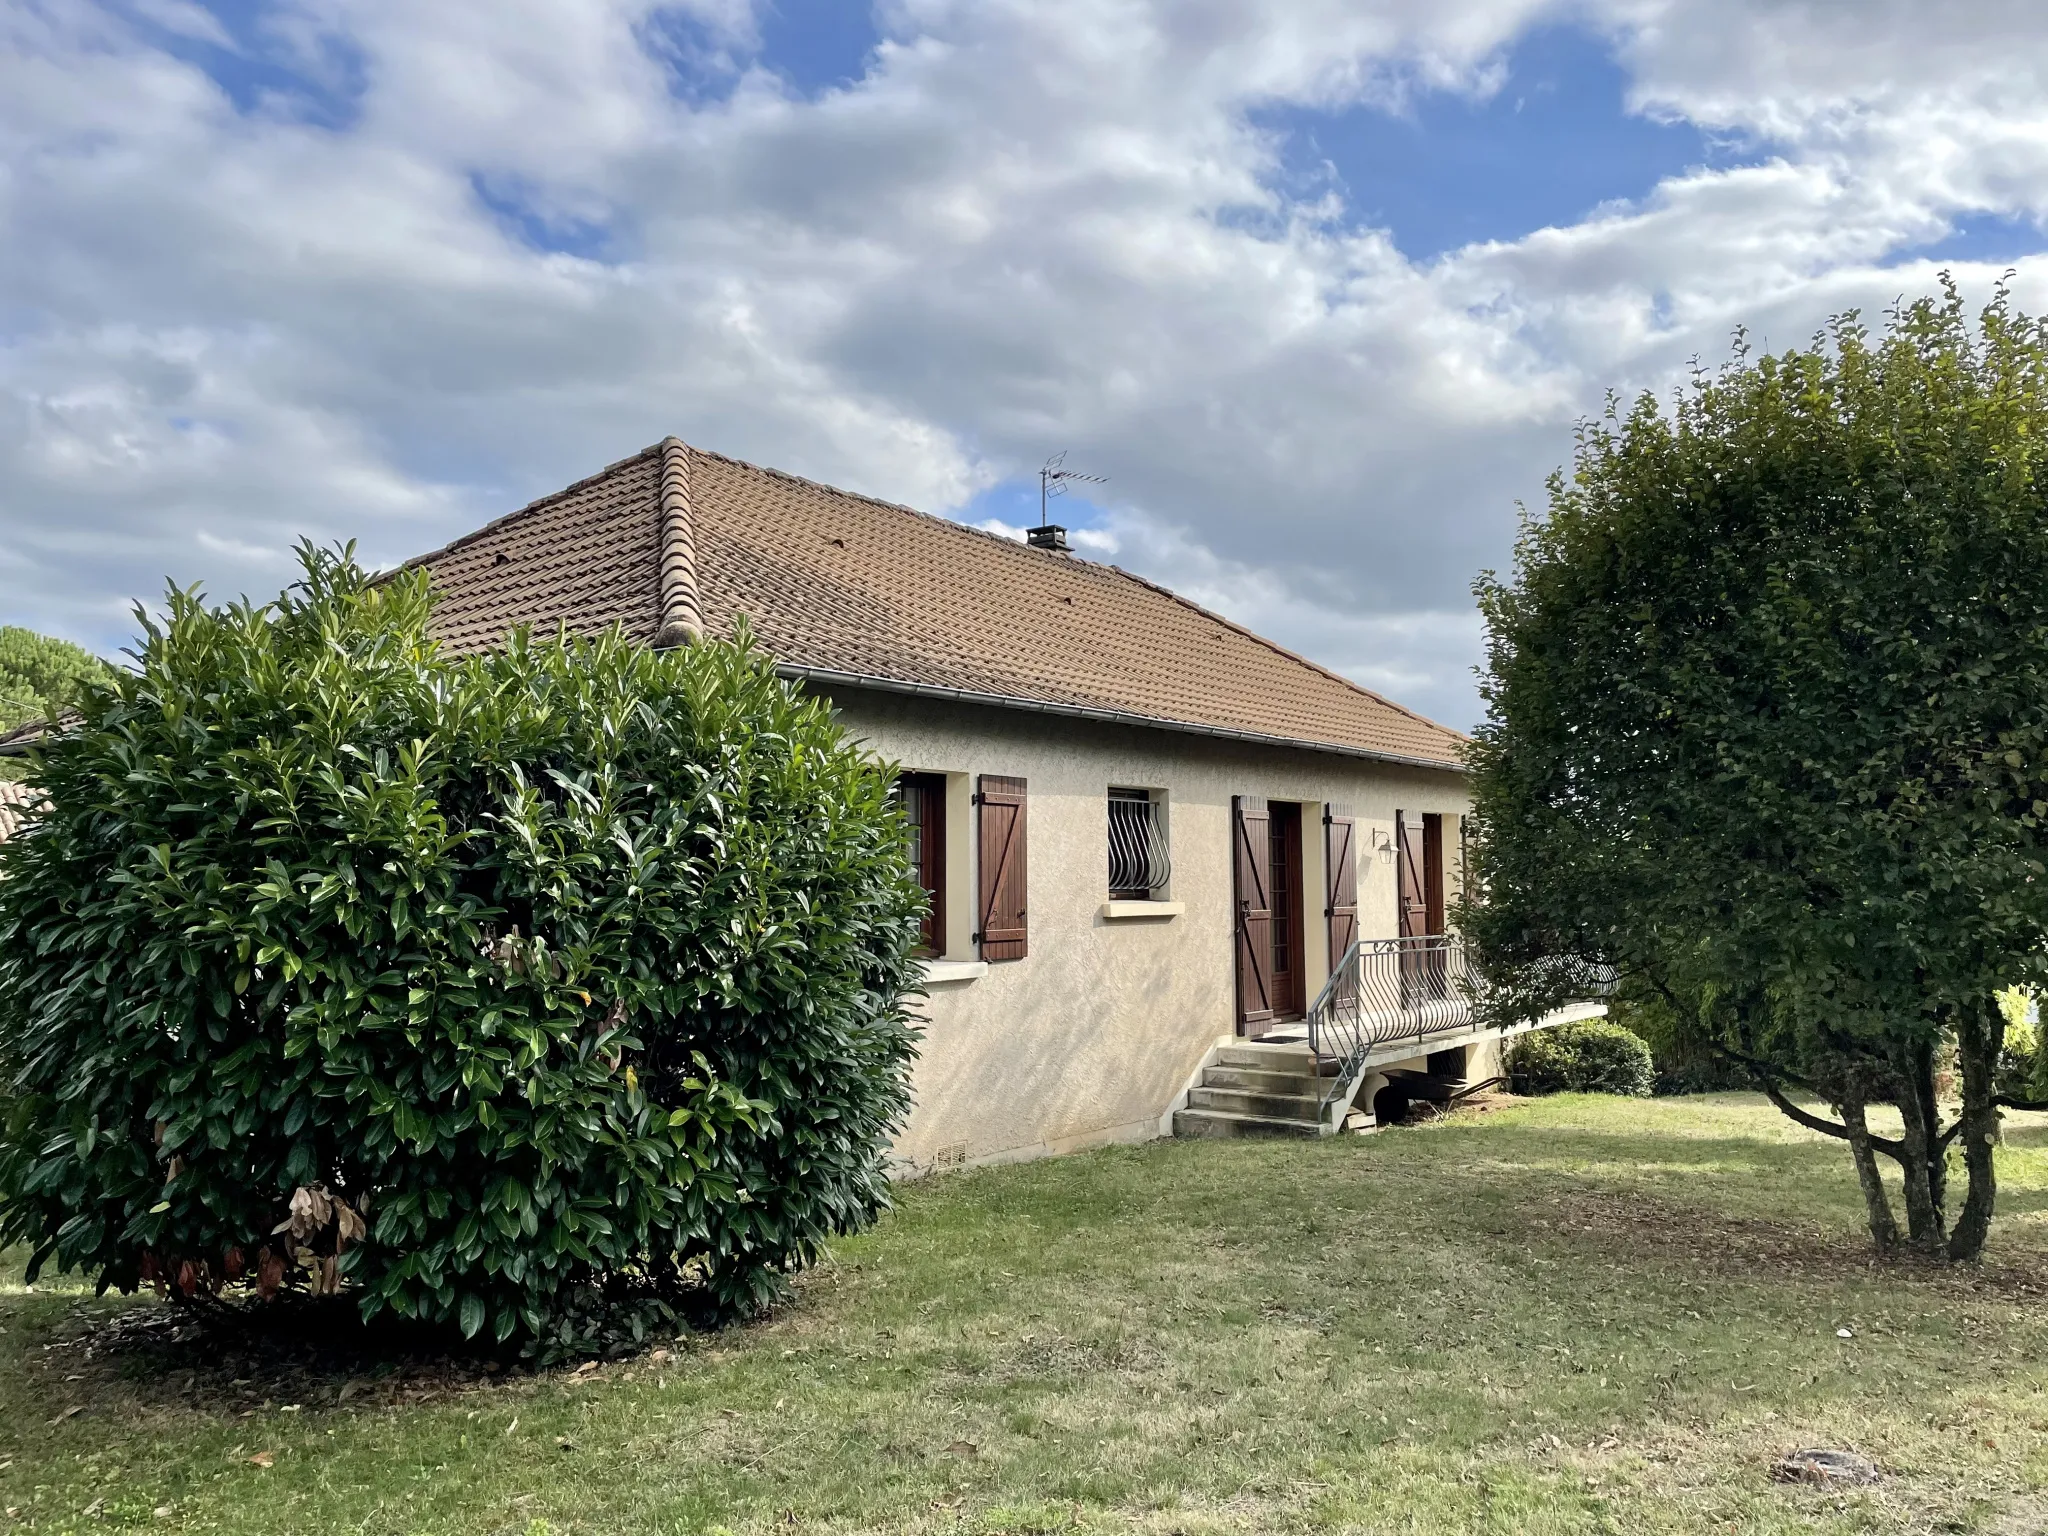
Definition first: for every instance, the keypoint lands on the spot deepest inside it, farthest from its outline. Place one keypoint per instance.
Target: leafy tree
(1768, 729)
(41, 677)
(544, 993)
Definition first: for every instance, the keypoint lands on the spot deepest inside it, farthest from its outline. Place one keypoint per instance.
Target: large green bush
(1591, 1056)
(526, 992)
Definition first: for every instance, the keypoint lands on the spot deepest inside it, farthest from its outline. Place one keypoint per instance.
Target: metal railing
(1388, 992)
(1138, 858)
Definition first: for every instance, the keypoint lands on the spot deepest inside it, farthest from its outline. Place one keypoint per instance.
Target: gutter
(830, 678)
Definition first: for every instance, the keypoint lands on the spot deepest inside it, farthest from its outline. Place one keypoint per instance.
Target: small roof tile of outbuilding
(844, 586)
(16, 800)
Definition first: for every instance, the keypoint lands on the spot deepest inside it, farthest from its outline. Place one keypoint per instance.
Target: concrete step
(1276, 1106)
(1268, 1058)
(1216, 1122)
(1295, 1083)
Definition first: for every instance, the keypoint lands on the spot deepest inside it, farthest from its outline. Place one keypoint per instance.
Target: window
(1139, 867)
(924, 808)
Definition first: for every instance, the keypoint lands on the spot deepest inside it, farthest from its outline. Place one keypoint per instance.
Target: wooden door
(1433, 873)
(1419, 846)
(1251, 859)
(1340, 874)
(1290, 963)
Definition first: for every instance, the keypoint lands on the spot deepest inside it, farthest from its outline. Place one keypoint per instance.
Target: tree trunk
(1980, 1036)
(1884, 1227)
(1922, 1162)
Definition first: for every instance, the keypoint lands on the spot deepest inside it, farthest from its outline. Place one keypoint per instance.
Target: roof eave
(830, 677)
(19, 741)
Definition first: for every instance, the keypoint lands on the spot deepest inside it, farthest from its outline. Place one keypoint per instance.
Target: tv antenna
(1053, 480)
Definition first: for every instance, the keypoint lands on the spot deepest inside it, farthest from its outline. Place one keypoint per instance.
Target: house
(1181, 879)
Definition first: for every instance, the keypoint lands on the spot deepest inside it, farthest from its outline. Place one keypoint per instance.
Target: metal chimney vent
(1047, 536)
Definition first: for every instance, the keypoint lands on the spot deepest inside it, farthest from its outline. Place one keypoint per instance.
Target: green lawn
(1574, 1315)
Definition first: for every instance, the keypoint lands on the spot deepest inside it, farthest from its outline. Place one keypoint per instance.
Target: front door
(1419, 845)
(1266, 856)
(1290, 967)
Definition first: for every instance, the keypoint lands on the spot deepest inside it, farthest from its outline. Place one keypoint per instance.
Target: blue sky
(1546, 143)
(1321, 286)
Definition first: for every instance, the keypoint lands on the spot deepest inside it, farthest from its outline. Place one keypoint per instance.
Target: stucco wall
(1093, 1035)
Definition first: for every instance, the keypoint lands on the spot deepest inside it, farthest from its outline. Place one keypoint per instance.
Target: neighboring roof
(844, 588)
(15, 802)
(15, 743)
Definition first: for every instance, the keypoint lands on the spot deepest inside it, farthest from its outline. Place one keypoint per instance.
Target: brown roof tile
(836, 584)
(15, 802)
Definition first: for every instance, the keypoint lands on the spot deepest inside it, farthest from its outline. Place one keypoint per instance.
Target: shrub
(2022, 1064)
(541, 993)
(1591, 1056)
(1681, 1061)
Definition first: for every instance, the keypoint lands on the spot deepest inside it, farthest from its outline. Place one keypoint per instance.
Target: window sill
(939, 973)
(1123, 911)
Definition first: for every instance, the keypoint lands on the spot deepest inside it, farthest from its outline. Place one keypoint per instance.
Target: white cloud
(1032, 226)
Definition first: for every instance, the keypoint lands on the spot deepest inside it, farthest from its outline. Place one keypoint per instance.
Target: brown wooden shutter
(1414, 901)
(1252, 842)
(1340, 869)
(1003, 933)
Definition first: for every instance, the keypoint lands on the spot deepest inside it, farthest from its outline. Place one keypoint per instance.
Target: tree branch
(1768, 1077)
(2004, 1101)
(1800, 1116)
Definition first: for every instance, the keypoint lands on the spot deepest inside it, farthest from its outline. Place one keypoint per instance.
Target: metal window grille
(1139, 864)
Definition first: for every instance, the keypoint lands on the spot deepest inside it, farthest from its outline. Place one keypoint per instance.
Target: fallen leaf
(93, 1508)
(1844, 1333)
(162, 1511)
(513, 1425)
(264, 1458)
(67, 1413)
(963, 1448)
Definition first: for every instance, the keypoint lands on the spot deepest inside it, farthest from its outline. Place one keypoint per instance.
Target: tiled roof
(15, 743)
(15, 800)
(842, 586)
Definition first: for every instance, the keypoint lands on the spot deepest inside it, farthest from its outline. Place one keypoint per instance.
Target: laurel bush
(526, 992)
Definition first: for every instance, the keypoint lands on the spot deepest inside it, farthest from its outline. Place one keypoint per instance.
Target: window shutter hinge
(976, 798)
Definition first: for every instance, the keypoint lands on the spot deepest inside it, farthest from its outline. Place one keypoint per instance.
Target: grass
(1568, 1315)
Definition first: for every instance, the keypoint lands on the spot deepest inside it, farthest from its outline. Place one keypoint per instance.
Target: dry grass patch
(1573, 1315)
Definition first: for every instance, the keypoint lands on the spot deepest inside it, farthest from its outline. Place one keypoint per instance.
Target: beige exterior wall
(1093, 1036)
